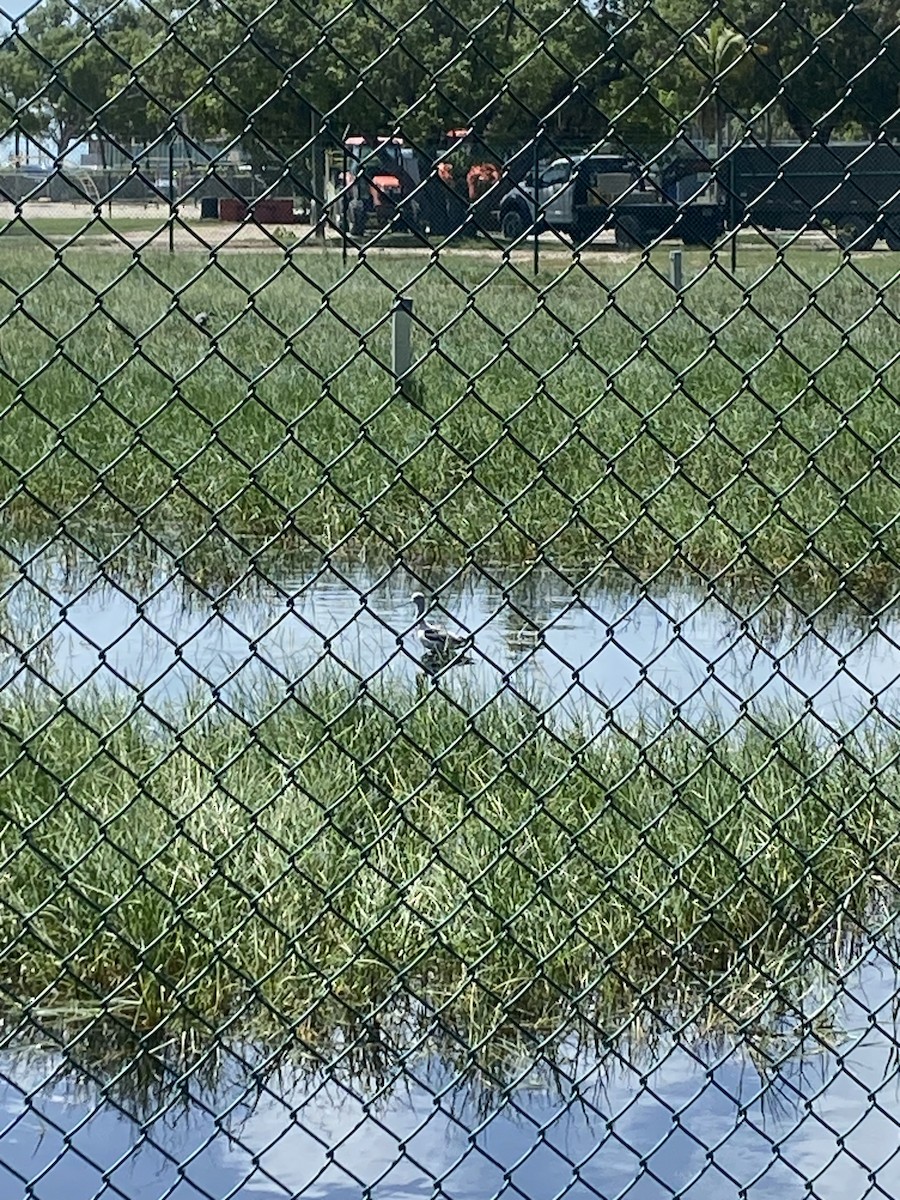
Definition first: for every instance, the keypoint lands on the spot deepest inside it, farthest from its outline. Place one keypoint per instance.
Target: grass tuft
(350, 848)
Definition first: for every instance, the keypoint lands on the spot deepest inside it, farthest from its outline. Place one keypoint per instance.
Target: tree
(265, 72)
(820, 64)
(66, 72)
(722, 52)
(50, 76)
(685, 74)
(397, 64)
(825, 60)
(131, 112)
(874, 98)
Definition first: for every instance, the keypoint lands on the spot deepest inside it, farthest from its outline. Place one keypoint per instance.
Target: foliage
(821, 66)
(67, 71)
(583, 431)
(395, 65)
(483, 860)
(266, 73)
(830, 59)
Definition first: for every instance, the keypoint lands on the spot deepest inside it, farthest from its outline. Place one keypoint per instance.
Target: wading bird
(434, 638)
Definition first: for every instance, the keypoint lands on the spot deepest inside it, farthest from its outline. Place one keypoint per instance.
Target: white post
(401, 321)
(675, 270)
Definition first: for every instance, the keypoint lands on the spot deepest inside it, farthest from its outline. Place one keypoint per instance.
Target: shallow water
(675, 1120)
(703, 1123)
(608, 651)
(678, 1119)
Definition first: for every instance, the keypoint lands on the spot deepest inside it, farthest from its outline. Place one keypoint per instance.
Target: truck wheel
(630, 237)
(585, 228)
(513, 224)
(579, 234)
(357, 217)
(855, 233)
(702, 232)
(411, 219)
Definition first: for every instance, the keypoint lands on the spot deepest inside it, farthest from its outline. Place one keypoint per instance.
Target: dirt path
(148, 229)
(103, 229)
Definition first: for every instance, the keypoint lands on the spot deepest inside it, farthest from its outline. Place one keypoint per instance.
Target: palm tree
(717, 51)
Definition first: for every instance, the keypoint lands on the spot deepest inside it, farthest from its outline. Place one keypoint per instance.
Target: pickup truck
(585, 195)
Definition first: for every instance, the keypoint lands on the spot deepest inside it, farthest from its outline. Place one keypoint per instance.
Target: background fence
(448, 724)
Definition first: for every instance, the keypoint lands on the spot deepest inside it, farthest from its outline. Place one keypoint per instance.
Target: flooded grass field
(604, 906)
(389, 1112)
(613, 792)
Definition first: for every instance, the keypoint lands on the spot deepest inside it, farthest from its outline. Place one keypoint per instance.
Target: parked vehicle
(849, 189)
(585, 195)
(470, 176)
(371, 184)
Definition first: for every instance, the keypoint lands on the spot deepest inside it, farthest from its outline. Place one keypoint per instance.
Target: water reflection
(764, 1116)
(434, 663)
(581, 650)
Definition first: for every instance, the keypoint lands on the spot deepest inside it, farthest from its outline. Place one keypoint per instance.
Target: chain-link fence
(448, 722)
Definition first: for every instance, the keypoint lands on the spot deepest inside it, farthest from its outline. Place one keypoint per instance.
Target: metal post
(732, 208)
(317, 161)
(171, 197)
(675, 269)
(401, 322)
(537, 206)
(345, 205)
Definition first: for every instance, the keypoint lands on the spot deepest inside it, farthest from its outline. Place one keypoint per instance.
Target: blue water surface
(684, 1116)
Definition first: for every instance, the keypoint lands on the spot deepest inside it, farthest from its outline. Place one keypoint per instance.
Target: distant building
(102, 154)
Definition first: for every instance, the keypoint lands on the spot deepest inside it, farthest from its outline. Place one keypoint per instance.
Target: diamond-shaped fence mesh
(448, 653)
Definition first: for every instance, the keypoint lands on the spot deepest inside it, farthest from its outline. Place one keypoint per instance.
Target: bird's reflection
(435, 662)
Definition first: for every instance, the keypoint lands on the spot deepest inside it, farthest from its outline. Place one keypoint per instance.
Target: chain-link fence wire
(450, 500)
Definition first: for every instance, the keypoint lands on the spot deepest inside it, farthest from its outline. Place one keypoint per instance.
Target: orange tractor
(481, 175)
(372, 183)
(381, 182)
(469, 181)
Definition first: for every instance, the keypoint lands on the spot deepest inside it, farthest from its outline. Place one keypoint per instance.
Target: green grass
(753, 427)
(317, 863)
(85, 227)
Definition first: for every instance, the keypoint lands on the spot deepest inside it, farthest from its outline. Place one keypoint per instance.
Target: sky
(12, 8)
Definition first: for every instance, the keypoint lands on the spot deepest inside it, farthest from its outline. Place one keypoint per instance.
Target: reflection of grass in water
(596, 422)
(318, 862)
(391, 1061)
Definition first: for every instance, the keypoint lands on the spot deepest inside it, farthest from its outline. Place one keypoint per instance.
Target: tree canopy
(64, 72)
(258, 73)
